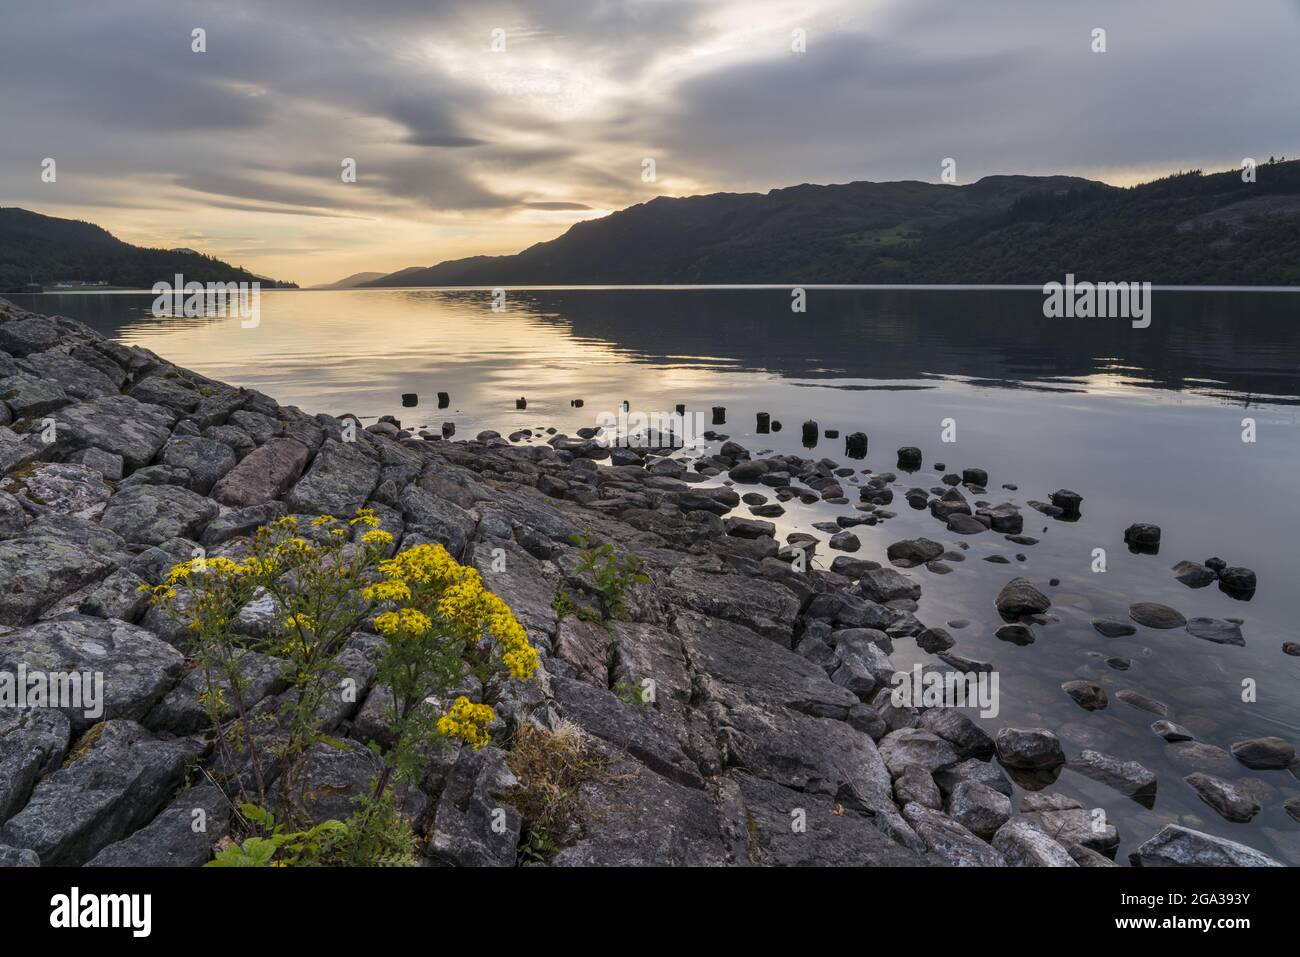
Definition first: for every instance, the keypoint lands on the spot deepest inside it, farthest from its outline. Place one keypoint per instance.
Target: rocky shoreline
(772, 736)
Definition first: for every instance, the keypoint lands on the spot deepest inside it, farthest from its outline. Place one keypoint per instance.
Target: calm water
(1145, 424)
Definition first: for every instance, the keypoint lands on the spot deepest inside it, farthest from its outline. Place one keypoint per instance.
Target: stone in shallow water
(1126, 777)
(1199, 756)
(1178, 846)
(1155, 615)
(1086, 694)
(1138, 700)
(1171, 732)
(1113, 627)
(1029, 748)
(1226, 797)
(1218, 630)
(1264, 753)
(1194, 574)
(1019, 597)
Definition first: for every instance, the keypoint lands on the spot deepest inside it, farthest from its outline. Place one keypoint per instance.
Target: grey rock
(1086, 694)
(914, 746)
(174, 838)
(32, 743)
(1029, 748)
(1264, 753)
(1232, 803)
(476, 790)
(1217, 630)
(916, 785)
(950, 841)
(1019, 597)
(152, 514)
(979, 808)
(137, 668)
(1113, 627)
(1025, 844)
(339, 481)
(115, 781)
(1178, 846)
(886, 584)
(37, 572)
(1127, 777)
(1155, 615)
(117, 424)
(205, 460)
(1194, 574)
(831, 837)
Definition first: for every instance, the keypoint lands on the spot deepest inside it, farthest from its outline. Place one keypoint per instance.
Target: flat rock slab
(767, 608)
(1178, 846)
(1232, 803)
(37, 572)
(632, 817)
(117, 424)
(634, 728)
(137, 668)
(1127, 777)
(153, 514)
(1114, 627)
(1217, 630)
(174, 838)
(832, 836)
(114, 782)
(339, 481)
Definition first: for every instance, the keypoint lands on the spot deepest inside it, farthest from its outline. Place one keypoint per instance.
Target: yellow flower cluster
(387, 591)
(463, 603)
(407, 621)
(468, 722)
(377, 536)
(300, 621)
(321, 520)
(366, 517)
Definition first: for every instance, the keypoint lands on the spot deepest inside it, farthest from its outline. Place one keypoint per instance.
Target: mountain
(351, 282)
(51, 250)
(1189, 228)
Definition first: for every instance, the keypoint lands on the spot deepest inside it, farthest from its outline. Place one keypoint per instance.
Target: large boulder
(205, 460)
(339, 481)
(152, 514)
(32, 743)
(263, 475)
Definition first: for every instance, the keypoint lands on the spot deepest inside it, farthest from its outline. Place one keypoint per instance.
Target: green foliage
(613, 575)
(274, 846)
(375, 836)
(630, 693)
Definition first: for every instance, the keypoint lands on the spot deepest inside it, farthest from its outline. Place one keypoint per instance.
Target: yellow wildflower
(468, 722)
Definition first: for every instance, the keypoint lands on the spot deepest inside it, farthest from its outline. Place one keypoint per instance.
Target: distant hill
(51, 250)
(1188, 228)
(350, 282)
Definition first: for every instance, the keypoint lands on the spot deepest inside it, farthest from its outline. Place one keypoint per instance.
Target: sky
(481, 127)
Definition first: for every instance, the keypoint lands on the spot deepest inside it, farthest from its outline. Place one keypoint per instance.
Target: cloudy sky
(463, 149)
